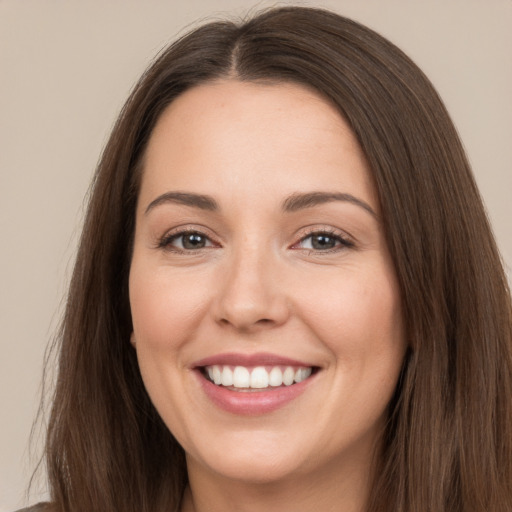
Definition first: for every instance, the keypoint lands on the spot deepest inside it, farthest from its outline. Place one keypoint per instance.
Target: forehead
(230, 134)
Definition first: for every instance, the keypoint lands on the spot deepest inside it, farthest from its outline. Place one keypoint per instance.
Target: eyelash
(341, 240)
(166, 241)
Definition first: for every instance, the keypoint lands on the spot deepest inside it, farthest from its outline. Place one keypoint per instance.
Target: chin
(262, 463)
(249, 471)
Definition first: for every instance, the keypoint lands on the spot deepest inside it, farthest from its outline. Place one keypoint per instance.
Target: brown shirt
(40, 507)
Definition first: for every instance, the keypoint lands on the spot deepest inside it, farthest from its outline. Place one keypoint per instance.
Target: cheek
(165, 306)
(165, 309)
(358, 318)
(357, 315)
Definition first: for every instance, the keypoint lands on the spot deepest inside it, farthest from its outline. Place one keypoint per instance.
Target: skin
(259, 285)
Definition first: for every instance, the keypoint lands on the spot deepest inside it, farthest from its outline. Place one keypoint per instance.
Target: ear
(132, 339)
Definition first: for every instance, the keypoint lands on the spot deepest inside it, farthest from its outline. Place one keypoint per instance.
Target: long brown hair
(448, 441)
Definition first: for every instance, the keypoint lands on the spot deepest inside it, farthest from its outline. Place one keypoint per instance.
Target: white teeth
(241, 377)
(217, 376)
(257, 378)
(288, 376)
(227, 376)
(302, 374)
(275, 377)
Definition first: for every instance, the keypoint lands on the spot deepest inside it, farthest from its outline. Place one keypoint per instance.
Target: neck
(326, 489)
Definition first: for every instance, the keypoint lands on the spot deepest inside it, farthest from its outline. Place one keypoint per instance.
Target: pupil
(323, 242)
(193, 241)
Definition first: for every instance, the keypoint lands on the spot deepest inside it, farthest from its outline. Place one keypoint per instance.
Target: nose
(251, 295)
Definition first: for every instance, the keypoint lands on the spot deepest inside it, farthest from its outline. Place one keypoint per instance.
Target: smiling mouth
(257, 378)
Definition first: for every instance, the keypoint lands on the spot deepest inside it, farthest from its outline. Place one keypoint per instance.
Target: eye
(186, 241)
(324, 241)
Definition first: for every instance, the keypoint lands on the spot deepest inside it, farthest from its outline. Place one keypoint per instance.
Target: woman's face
(259, 260)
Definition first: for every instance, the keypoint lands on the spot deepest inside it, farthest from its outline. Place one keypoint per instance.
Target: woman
(287, 294)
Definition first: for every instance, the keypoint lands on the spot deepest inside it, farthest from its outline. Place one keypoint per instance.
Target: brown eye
(324, 241)
(193, 241)
(186, 241)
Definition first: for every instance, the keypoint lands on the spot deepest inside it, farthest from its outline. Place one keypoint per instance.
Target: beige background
(66, 68)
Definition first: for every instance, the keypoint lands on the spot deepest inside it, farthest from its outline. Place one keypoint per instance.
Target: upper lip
(257, 359)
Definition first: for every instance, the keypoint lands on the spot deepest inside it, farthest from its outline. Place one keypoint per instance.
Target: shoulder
(40, 507)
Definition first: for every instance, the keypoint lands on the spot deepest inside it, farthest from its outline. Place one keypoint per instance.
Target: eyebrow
(293, 203)
(299, 201)
(201, 201)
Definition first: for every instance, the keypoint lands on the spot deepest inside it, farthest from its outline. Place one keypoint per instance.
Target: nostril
(262, 323)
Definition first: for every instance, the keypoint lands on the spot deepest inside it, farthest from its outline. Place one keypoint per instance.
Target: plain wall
(67, 67)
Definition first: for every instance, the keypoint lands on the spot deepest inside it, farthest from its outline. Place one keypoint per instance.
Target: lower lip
(252, 403)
